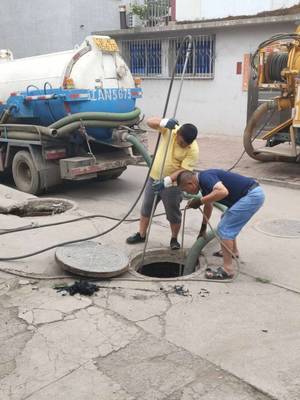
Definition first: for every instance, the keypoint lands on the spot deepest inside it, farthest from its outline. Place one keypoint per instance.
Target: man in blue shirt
(243, 196)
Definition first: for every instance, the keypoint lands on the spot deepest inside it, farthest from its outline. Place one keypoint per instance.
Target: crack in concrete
(56, 380)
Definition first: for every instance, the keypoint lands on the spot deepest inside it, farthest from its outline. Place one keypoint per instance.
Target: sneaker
(174, 244)
(136, 238)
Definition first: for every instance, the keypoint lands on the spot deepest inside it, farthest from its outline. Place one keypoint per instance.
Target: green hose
(195, 250)
(102, 116)
(34, 129)
(140, 148)
(66, 129)
(21, 135)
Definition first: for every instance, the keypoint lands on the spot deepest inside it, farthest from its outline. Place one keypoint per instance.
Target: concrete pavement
(138, 339)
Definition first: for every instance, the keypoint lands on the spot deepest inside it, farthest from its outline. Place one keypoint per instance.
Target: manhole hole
(160, 264)
(284, 228)
(161, 269)
(42, 207)
(92, 259)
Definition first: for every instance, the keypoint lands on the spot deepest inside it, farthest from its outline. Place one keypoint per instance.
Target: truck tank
(91, 78)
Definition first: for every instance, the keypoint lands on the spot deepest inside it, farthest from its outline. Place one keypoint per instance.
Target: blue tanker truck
(68, 116)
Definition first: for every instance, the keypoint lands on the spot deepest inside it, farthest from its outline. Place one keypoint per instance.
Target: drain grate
(284, 228)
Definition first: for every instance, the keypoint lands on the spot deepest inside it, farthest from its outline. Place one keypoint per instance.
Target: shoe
(136, 238)
(218, 275)
(220, 254)
(174, 244)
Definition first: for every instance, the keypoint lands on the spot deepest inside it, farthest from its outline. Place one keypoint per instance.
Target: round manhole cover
(284, 228)
(92, 259)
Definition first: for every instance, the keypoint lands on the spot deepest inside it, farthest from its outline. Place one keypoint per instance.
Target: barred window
(143, 56)
(156, 57)
(201, 61)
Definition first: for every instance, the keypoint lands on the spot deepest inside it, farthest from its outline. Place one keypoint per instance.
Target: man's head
(186, 134)
(188, 182)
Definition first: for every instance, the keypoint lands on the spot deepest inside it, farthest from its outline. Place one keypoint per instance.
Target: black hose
(188, 37)
(69, 221)
(276, 63)
(272, 40)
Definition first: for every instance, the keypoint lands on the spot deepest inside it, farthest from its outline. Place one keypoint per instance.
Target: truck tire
(25, 174)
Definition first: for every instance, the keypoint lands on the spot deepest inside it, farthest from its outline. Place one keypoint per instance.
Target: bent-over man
(242, 195)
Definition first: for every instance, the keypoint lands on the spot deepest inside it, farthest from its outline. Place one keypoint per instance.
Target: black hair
(188, 133)
(184, 175)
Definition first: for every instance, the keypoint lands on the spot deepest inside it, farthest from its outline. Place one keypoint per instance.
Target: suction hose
(68, 124)
(5, 129)
(70, 127)
(249, 135)
(122, 118)
(195, 250)
(139, 147)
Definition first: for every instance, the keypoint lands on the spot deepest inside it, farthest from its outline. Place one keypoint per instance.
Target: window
(156, 57)
(201, 60)
(143, 56)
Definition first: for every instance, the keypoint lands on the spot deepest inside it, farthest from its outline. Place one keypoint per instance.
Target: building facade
(215, 94)
(224, 34)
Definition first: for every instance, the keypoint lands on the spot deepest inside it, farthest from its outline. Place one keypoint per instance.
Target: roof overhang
(179, 28)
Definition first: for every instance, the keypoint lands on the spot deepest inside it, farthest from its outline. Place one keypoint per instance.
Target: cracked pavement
(139, 339)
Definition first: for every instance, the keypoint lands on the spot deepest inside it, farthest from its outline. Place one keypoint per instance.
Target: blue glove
(169, 123)
(158, 186)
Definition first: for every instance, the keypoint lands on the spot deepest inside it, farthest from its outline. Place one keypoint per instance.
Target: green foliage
(139, 10)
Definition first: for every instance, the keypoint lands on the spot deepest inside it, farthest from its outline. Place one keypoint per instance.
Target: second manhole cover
(285, 228)
(92, 259)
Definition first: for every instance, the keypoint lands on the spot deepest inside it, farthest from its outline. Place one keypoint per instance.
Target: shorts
(171, 198)
(236, 217)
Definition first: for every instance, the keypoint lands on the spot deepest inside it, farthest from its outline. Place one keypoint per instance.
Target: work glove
(194, 203)
(159, 185)
(168, 123)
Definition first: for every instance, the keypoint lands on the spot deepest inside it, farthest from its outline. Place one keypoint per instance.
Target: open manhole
(41, 207)
(160, 264)
(283, 228)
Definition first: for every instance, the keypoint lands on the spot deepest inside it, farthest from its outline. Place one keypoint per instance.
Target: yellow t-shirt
(177, 157)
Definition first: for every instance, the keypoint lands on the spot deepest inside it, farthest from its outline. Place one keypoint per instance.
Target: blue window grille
(201, 61)
(144, 57)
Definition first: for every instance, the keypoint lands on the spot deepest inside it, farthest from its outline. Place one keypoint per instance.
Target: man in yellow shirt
(182, 155)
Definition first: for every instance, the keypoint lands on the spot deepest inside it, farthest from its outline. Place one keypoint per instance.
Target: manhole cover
(92, 259)
(284, 228)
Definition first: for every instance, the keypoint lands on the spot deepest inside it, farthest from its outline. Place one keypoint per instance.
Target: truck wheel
(25, 174)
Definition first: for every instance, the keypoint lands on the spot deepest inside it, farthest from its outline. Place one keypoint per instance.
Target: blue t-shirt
(237, 185)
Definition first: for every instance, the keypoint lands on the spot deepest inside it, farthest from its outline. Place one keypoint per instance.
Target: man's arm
(219, 192)
(154, 122)
(161, 123)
